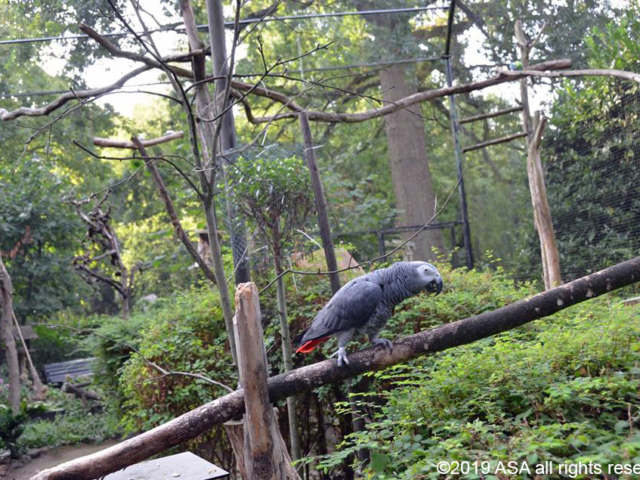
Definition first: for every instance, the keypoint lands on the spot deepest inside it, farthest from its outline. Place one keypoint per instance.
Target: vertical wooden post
(321, 203)
(541, 210)
(265, 454)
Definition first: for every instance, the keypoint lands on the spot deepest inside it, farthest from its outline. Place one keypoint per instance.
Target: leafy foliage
(35, 239)
(562, 389)
(77, 424)
(184, 333)
(275, 194)
(71, 421)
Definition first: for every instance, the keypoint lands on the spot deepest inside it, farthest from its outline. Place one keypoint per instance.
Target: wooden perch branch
(113, 143)
(531, 72)
(411, 99)
(71, 95)
(447, 336)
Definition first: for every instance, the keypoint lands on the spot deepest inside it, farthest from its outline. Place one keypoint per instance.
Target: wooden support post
(541, 210)
(265, 454)
(321, 203)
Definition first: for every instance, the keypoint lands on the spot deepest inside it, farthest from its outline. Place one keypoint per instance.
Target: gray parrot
(365, 304)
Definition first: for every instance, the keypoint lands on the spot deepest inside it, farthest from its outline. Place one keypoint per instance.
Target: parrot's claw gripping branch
(384, 342)
(342, 356)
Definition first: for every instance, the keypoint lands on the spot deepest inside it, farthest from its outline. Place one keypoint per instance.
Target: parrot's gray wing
(350, 308)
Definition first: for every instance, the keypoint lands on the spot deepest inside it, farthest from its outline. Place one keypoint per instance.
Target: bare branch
(109, 142)
(72, 95)
(531, 72)
(171, 211)
(403, 103)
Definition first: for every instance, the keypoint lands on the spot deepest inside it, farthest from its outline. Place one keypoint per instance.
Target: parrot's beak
(435, 286)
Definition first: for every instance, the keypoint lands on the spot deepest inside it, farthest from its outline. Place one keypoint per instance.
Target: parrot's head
(427, 277)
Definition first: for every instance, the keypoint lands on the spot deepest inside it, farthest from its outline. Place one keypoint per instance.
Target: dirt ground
(53, 458)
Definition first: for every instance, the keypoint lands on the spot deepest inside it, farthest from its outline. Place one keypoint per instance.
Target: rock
(3, 470)
(36, 452)
(5, 456)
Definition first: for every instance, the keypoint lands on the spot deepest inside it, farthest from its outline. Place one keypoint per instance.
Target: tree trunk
(39, 390)
(409, 163)
(287, 351)
(541, 210)
(11, 352)
(321, 204)
(227, 139)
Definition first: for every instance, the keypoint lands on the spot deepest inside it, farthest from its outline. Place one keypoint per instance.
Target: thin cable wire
(246, 21)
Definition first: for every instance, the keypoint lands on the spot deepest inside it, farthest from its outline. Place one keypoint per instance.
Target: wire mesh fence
(593, 179)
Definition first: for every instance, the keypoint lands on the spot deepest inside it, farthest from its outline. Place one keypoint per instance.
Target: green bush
(78, 425)
(186, 334)
(564, 389)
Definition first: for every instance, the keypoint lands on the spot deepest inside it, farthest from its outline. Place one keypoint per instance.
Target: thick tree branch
(71, 95)
(407, 101)
(318, 116)
(534, 72)
(438, 339)
(117, 52)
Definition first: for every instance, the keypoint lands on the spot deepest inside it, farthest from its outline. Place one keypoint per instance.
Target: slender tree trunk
(541, 211)
(221, 67)
(206, 132)
(11, 352)
(218, 270)
(409, 162)
(39, 389)
(287, 351)
(321, 204)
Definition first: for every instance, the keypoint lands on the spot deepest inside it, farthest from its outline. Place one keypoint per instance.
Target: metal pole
(321, 204)
(228, 139)
(455, 131)
(382, 251)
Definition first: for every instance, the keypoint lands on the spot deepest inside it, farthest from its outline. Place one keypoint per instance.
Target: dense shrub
(185, 333)
(563, 390)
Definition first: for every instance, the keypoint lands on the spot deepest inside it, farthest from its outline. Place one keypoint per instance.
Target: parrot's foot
(385, 343)
(342, 356)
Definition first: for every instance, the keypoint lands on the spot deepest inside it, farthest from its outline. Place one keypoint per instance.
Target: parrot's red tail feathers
(308, 347)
